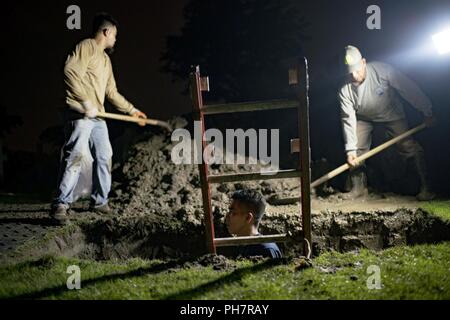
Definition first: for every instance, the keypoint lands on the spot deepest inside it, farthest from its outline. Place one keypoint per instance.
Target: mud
(113, 238)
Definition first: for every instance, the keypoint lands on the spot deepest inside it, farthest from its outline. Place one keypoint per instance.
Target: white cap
(353, 59)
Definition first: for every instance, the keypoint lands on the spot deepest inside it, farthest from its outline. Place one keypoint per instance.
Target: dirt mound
(166, 196)
(218, 262)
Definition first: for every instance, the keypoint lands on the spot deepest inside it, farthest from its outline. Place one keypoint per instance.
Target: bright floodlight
(442, 41)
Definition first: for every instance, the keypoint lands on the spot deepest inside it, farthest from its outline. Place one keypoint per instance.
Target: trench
(343, 232)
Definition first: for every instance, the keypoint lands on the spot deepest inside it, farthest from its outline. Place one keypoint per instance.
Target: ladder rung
(281, 174)
(224, 242)
(249, 106)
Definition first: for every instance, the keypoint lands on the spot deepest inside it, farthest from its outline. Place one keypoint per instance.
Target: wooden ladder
(298, 77)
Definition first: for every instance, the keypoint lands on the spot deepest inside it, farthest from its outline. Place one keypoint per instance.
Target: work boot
(59, 214)
(425, 194)
(104, 209)
(359, 186)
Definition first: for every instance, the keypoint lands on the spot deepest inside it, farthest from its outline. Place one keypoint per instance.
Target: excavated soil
(158, 214)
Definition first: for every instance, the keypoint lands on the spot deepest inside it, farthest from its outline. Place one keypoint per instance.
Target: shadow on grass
(235, 276)
(58, 290)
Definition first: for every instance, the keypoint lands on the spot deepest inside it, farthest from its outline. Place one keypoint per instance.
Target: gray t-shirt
(378, 99)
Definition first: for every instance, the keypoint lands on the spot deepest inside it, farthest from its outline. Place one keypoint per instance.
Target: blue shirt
(267, 250)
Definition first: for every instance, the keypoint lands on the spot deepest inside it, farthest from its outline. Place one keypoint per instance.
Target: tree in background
(244, 46)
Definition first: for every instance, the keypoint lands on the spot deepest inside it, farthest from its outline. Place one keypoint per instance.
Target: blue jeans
(83, 136)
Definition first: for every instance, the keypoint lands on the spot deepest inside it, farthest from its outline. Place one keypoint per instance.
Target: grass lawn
(407, 272)
(418, 272)
(438, 208)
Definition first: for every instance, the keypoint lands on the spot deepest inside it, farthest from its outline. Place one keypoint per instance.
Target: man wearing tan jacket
(89, 78)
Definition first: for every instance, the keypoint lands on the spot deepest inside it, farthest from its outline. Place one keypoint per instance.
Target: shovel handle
(122, 117)
(346, 166)
(367, 155)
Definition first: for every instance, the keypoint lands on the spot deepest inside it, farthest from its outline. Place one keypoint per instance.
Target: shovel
(122, 117)
(361, 158)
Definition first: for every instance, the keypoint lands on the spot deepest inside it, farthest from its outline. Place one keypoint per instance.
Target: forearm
(120, 103)
(349, 122)
(350, 138)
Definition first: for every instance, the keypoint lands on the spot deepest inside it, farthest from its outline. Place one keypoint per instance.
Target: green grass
(418, 272)
(438, 208)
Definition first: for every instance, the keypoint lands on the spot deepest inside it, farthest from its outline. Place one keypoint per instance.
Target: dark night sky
(35, 43)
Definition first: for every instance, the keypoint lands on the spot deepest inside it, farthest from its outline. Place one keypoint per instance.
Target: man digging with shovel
(372, 95)
(89, 78)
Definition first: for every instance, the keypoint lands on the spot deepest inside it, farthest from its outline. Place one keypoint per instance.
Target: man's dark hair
(254, 200)
(102, 21)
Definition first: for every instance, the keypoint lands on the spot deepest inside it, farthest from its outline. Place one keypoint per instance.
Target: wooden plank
(249, 106)
(281, 174)
(234, 241)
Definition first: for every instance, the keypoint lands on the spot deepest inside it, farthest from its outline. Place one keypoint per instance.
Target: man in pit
(245, 213)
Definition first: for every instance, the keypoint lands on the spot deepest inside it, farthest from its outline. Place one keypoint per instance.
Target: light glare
(442, 41)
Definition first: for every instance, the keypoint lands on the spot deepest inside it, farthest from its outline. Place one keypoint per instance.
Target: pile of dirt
(218, 262)
(162, 198)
